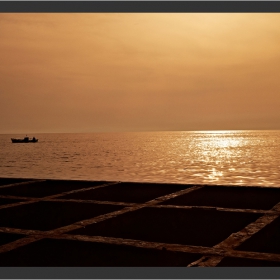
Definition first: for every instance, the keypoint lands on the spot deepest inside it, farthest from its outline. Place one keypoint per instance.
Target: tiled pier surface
(51, 223)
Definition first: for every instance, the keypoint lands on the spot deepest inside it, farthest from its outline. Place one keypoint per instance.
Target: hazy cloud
(123, 72)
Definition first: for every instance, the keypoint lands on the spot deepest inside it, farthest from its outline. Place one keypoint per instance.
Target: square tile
(267, 240)
(46, 188)
(9, 237)
(67, 253)
(180, 226)
(8, 181)
(4, 201)
(229, 197)
(128, 192)
(46, 215)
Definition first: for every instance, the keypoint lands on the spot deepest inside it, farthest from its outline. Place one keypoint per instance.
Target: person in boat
(33, 138)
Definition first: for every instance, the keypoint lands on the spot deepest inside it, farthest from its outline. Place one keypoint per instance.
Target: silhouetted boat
(24, 140)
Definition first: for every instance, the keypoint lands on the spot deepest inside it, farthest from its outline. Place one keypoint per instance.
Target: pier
(67, 223)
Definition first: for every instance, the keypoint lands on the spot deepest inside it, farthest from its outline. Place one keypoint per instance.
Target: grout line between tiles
(83, 223)
(22, 183)
(211, 255)
(237, 238)
(34, 199)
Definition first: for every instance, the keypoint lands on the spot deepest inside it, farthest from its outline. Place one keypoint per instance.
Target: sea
(241, 157)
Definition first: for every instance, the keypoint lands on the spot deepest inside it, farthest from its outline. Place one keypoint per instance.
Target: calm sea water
(249, 158)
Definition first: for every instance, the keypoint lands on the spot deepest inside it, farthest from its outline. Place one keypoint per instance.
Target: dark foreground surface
(59, 223)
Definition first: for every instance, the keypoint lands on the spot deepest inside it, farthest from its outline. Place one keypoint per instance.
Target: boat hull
(24, 140)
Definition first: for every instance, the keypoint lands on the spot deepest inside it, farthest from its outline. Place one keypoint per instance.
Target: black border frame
(139, 273)
(140, 6)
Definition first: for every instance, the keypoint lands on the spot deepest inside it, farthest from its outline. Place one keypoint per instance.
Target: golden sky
(98, 72)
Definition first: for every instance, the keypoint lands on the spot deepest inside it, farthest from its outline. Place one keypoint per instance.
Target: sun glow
(218, 131)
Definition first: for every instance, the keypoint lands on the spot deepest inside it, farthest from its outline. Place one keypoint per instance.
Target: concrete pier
(66, 223)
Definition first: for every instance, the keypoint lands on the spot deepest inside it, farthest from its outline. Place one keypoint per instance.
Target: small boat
(24, 140)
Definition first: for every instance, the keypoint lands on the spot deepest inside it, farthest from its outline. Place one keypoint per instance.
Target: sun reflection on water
(218, 150)
(215, 175)
(221, 155)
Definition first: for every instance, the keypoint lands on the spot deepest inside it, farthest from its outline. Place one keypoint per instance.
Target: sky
(113, 72)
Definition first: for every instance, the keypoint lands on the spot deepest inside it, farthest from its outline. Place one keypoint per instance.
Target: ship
(24, 140)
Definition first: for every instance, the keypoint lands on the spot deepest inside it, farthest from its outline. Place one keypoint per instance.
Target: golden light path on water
(248, 158)
(230, 157)
(218, 149)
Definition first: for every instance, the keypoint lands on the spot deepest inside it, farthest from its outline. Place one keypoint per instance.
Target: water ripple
(229, 158)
